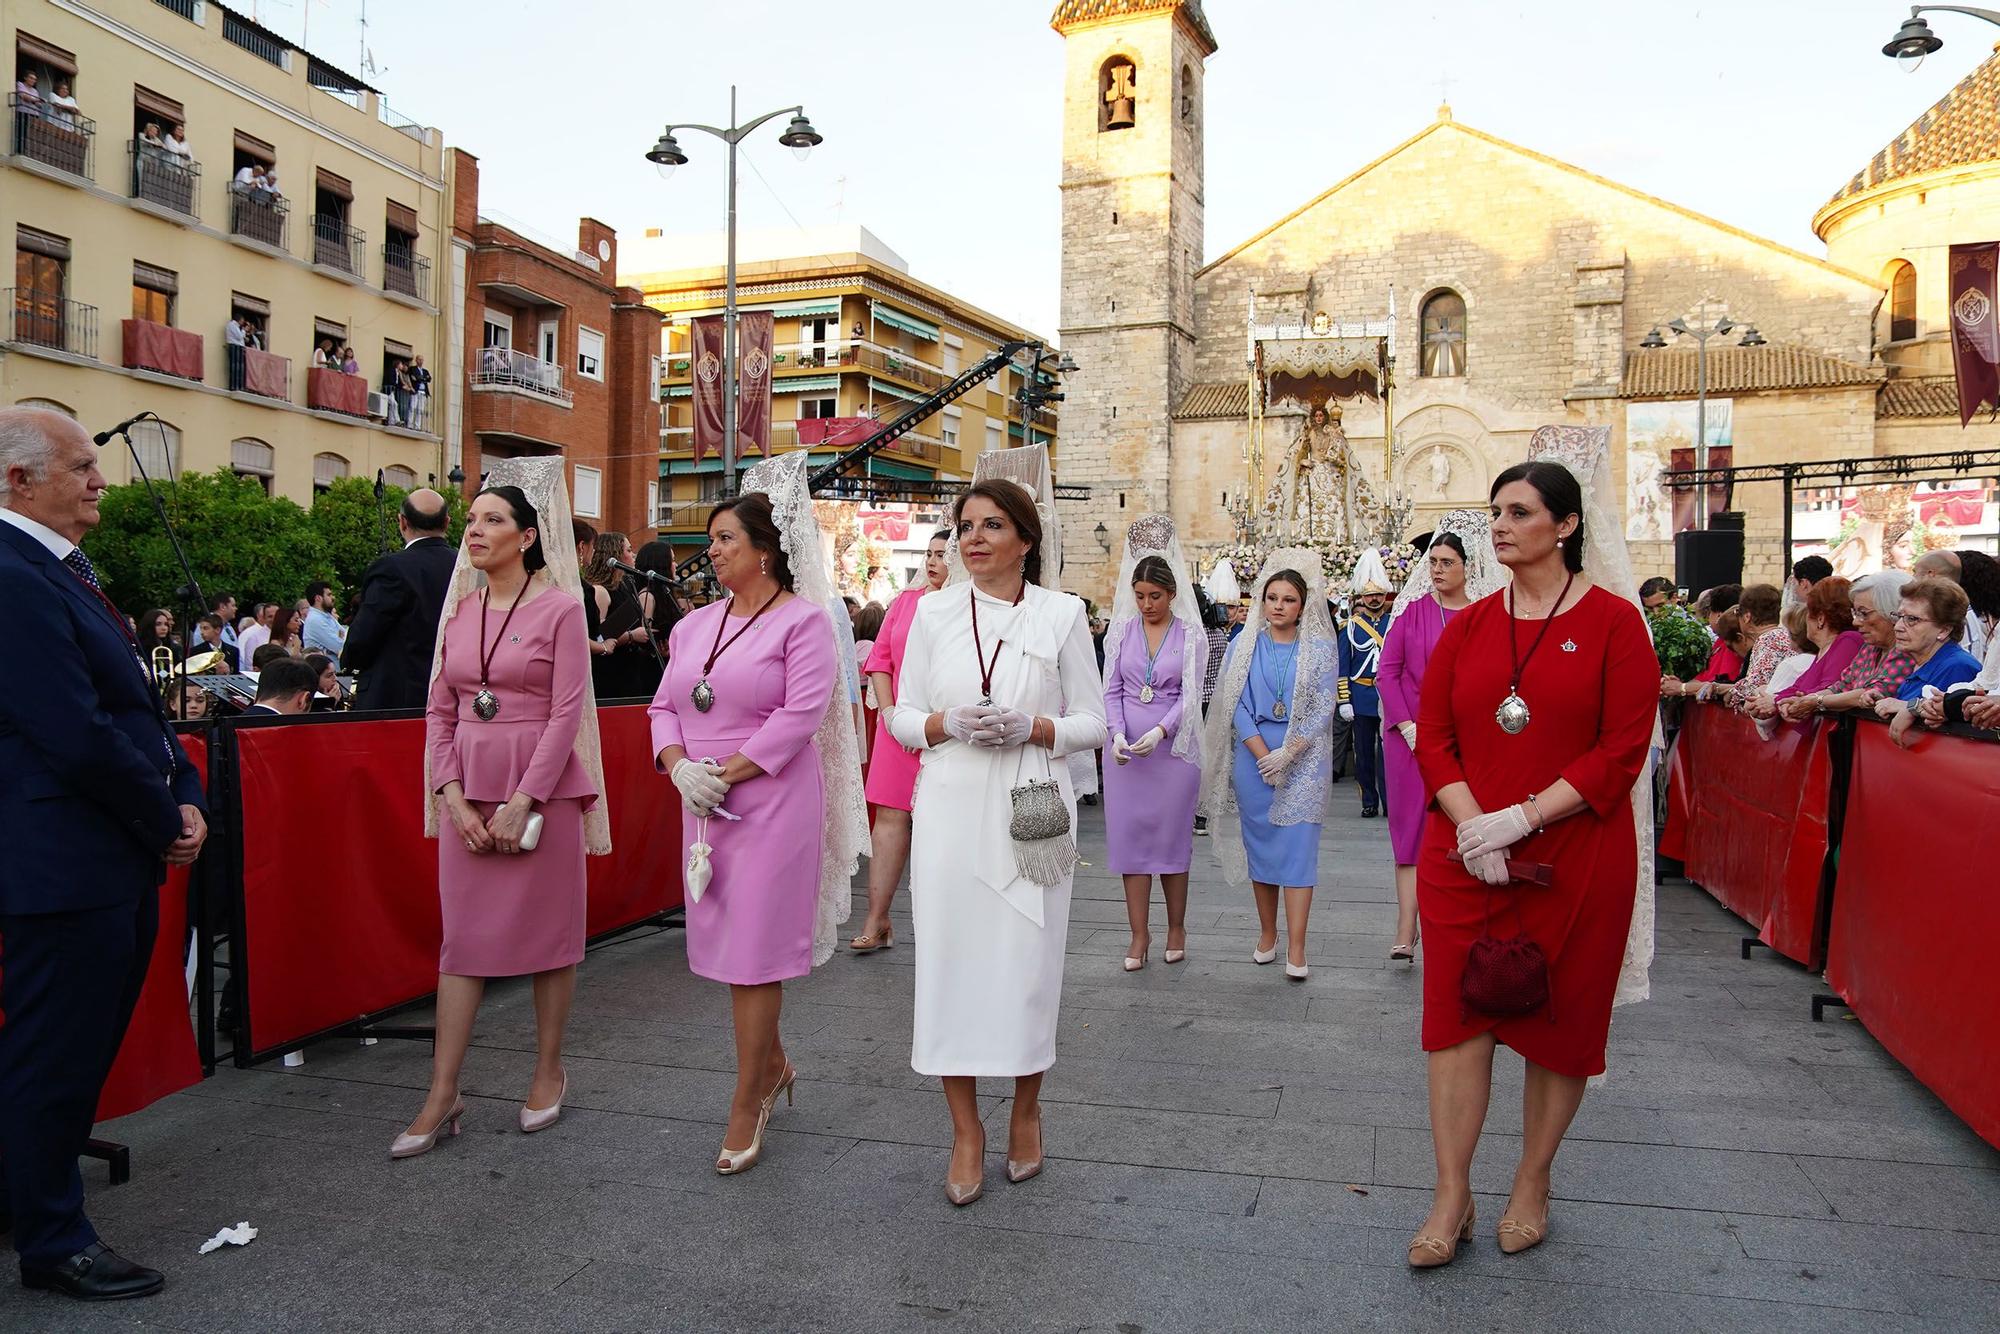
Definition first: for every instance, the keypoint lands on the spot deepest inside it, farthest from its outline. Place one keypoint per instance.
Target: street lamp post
(1914, 39)
(1701, 331)
(666, 154)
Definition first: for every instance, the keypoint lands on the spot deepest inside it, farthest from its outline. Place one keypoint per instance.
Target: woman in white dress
(986, 676)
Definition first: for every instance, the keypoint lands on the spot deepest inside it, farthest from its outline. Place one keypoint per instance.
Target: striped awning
(881, 467)
(801, 384)
(823, 305)
(909, 324)
(895, 390)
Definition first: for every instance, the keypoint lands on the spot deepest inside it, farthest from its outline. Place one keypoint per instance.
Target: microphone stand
(189, 593)
(652, 640)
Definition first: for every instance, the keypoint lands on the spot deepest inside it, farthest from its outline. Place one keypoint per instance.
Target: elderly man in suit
(98, 800)
(395, 632)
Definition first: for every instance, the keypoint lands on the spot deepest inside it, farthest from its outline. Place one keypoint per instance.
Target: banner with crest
(1975, 331)
(754, 329)
(705, 339)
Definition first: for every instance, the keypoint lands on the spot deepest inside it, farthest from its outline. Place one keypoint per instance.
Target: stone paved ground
(1228, 1151)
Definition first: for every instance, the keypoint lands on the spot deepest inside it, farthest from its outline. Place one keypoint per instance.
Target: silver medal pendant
(1145, 694)
(486, 704)
(1278, 709)
(1512, 715)
(702, 695)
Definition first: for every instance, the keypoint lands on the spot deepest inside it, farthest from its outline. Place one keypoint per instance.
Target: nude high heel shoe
(541, 1118)
(731, 1161)
(962, 1195)
(407, 1145)
(1428, 1252)
(1023, 1169)
(1515, 1236)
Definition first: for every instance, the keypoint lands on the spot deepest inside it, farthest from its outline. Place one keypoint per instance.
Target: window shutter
(41, 243)
(160, 108)
(255, 147)
(155, 279)
(402, 218)
(30, 49)
(338, 186)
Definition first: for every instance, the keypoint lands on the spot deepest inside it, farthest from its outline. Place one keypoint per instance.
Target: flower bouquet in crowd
(1679, 642)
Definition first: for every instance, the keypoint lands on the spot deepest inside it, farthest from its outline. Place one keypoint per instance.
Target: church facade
(1511, 290)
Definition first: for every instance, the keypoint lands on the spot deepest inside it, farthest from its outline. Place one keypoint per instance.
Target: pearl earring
(1559, 543)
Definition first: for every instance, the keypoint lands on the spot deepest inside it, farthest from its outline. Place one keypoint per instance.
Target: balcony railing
(336, 244)
(504, 368)
(166, 179)
(51, 320)
(187, 9)
(407, 272)
(258, 215)
(252, 39)
(684, 514)
(53, 136)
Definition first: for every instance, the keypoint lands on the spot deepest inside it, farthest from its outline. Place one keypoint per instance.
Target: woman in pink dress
(1442, 587)
(892, 770)
(748, 686)
(506, 702)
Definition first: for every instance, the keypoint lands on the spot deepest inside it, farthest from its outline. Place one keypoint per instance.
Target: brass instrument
(163, 668)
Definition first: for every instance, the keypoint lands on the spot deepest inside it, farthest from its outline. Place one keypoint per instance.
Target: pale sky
(942, 117)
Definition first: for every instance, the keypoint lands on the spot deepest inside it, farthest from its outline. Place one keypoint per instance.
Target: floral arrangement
(1336, 564)
(1679, 642)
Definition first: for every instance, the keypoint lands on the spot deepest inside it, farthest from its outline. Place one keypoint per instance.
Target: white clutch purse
(531, 834)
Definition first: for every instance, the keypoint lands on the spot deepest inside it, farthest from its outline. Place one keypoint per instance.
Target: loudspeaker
(1704, 560)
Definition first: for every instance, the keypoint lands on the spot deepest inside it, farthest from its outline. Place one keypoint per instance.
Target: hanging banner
(1975, 329)
(754, 330)
(705, 337)
(1666, 430)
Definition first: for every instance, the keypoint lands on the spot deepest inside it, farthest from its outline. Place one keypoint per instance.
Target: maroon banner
(1975, 327)
(1755, 835)
(835, 430)
(754, 332)
(336, 391)
(158, 1054)
(1686, 503)
(1913, 932)
(267, 373)
(706, 341)
(158, 347)
(347, 924)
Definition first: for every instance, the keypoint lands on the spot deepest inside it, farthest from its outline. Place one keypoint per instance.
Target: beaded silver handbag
(1044, 850)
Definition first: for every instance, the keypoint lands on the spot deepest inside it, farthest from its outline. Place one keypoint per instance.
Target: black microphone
(638, 573)
(103, 438)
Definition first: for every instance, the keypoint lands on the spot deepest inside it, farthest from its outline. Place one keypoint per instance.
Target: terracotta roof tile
(1070, 12)
(1919, 396)
(1963, 127)
(1739, 370)
(1214, 399)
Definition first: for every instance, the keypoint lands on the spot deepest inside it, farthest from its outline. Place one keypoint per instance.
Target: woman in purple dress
(750, 725)
(1153, 658)
(506, 741)
(1458, 570)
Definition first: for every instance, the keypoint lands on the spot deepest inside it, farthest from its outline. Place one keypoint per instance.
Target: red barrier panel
(1680, 803)
(340, 885)
(1756, 832)
(1911, 950)
(158, 1055)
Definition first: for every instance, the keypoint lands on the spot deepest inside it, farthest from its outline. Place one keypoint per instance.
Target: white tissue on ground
(240, 1235)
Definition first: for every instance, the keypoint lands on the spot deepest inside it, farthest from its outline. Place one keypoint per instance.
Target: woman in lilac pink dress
(892, 769)
(1443, 586)
(509, 693)
(1154, 655)
(747, 720)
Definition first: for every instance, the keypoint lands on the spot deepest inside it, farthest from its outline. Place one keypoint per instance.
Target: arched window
(1444, 333)
(1117, 94)
(252, 458)
(1187, 94)
(399, 476)
(158, 445)
(327, 469)
(1902, 302)
(48, 403)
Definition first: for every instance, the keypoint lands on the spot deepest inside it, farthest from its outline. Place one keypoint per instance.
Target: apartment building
(857, 340)
(172, 175)
(557, 359)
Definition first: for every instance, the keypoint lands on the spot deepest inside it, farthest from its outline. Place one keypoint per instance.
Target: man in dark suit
(402, 595)
(98, 800)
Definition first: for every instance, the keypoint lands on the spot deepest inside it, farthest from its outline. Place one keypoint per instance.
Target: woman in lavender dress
(1459, 569)
(1154, 652)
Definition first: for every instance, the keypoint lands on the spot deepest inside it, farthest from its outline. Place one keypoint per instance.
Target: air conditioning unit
(382, 407)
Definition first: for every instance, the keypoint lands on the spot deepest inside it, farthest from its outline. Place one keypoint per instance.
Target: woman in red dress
(1536, 716)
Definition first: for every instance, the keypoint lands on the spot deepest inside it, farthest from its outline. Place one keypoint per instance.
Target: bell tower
(1131, 242)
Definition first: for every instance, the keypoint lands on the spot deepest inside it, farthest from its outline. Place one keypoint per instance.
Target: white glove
(1347, 713)
(1121, 749)
(1003, 728)
(1490, 867)
(1409, 731)
(1144, 745)
(701, 785)
(1495, 831)
(1274, 763)
(961, 721)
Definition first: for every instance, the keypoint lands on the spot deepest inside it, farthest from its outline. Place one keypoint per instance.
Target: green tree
(239, 540)
(355, 531)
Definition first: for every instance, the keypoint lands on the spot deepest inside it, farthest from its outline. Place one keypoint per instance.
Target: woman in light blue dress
(1269, 752)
